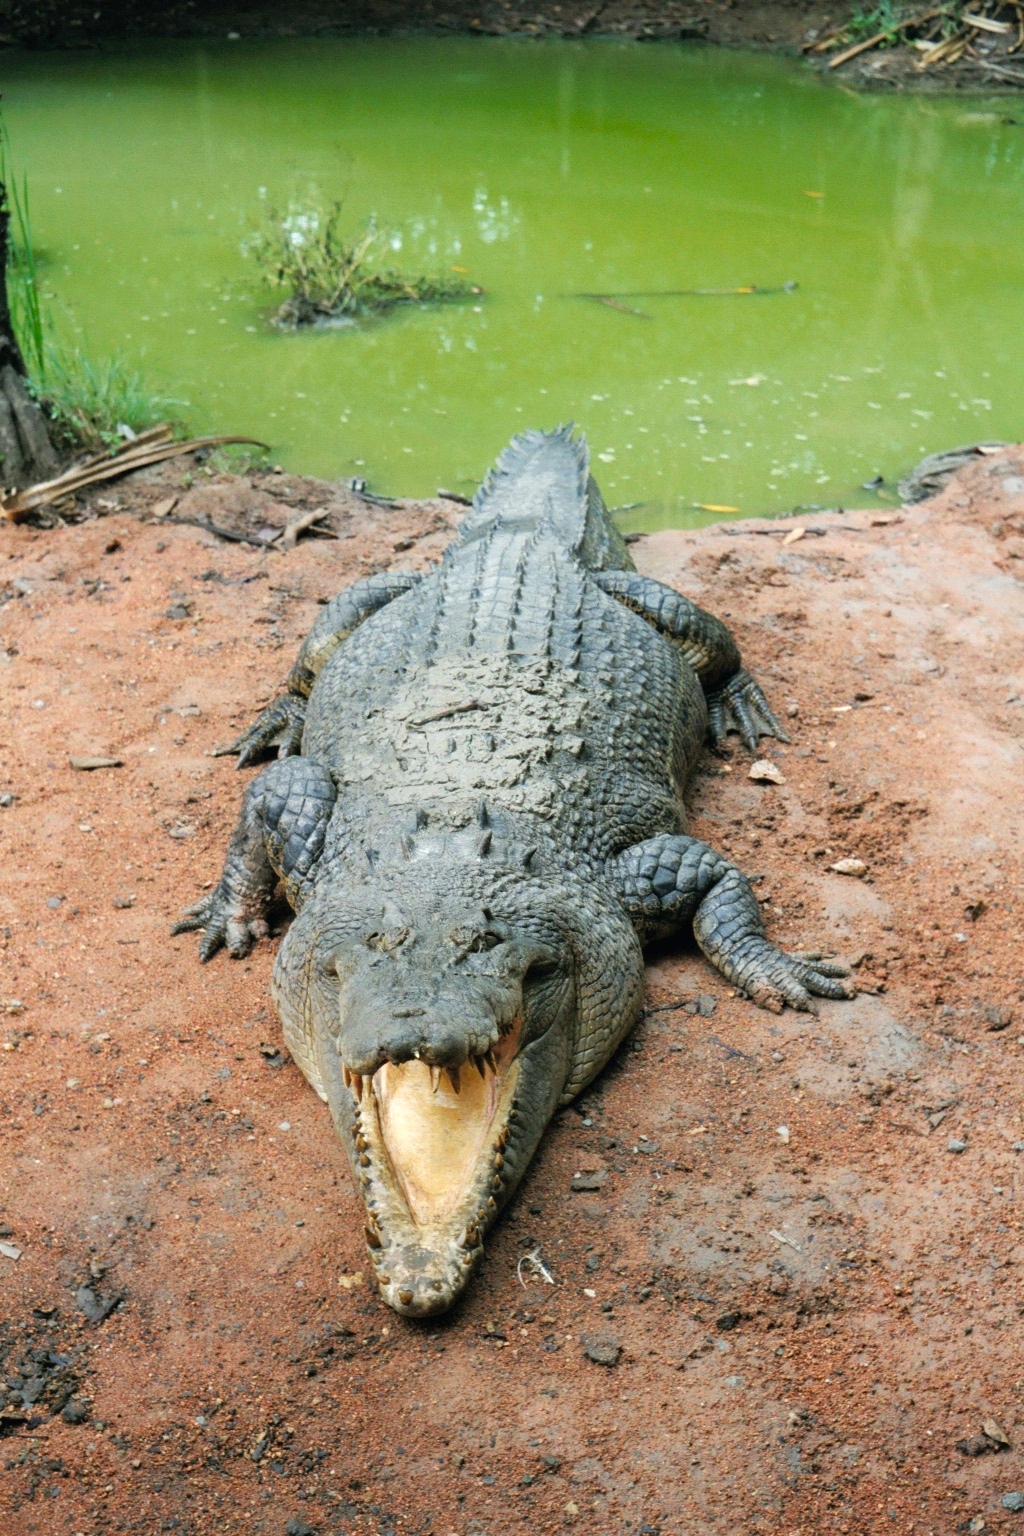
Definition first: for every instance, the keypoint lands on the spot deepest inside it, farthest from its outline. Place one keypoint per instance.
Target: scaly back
(542, 483)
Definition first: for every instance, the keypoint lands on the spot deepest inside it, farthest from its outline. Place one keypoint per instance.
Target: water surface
(547, 170)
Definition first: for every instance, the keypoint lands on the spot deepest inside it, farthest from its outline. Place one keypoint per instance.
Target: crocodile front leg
(279, 836)
(281, 723)
(672, 879)
(735, 700)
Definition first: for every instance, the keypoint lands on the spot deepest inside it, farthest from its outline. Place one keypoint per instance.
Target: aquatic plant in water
(332, 280)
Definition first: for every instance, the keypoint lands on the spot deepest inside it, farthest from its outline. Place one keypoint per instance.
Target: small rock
(974, 1445)
(764, 771)
(6, 799)
(998, 1018)
(296, 1527)
(703, 1006)
(96, 1307)
(74, 1411)
(955, 1145)
(1013, 1501)
(782, 1132)
(849, 867)
(995, 1432)
(9, 1251)
(123, 902)
(727, 1321)
(602, 1349)
(976, 1525)
(585, 1183)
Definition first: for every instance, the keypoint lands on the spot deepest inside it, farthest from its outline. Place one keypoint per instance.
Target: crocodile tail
(542, 480)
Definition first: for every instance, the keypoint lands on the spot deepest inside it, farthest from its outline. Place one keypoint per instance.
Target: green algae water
(546, 171)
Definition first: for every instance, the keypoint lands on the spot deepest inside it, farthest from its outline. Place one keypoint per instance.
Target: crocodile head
(445, 1023)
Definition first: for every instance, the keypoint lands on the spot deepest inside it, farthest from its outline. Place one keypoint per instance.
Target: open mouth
(430, 1150)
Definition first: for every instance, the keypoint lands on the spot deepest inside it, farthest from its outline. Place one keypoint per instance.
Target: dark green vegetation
(940, 34)
(330, 279)
(85, 403)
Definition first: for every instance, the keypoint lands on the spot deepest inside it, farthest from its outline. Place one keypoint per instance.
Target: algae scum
(540, 172)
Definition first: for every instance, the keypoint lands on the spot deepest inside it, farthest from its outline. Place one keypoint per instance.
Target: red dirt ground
(809, 1321)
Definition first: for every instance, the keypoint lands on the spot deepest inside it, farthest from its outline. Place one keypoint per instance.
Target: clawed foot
(741, 706)
(224, 921)
(280, 725)
(772, 978)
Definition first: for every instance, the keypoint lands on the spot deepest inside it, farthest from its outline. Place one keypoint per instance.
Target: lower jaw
(422, 1267)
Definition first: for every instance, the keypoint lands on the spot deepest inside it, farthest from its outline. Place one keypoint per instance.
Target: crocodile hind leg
(671, 879)
(281, 723)
(735, 700)
(279, 836)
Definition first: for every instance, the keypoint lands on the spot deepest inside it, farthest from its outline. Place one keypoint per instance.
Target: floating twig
(610, 299)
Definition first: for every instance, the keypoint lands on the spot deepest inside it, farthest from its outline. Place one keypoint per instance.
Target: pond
(547, 170)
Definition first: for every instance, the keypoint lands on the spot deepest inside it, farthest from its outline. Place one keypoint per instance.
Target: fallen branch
(151, 447)
(290, 535)
(222, 533)
(880, 37)
(1002, 73)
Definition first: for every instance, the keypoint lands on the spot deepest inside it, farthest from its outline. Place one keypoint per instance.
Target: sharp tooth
(492, 1061)
(357, 1084)
(435, 1079)
(454, 1078)
(371, 1237)
(478, 1062)
(346, 1075)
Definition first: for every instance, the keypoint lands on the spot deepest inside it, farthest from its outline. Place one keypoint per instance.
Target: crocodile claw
(280, 725)
(224, 923)
(741, 706)
(771, 978)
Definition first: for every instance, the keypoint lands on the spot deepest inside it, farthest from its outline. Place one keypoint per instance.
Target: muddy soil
(798, 1237)
(757, 23)
(785, 26)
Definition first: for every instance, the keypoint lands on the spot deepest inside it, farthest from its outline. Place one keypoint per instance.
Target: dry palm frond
(150, 447)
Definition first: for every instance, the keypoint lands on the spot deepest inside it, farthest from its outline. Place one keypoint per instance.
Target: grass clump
(336, 281)
(90, 403)
(888, 17)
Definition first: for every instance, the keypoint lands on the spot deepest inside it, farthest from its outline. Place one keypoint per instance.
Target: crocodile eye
(475, 941)
(541, 970)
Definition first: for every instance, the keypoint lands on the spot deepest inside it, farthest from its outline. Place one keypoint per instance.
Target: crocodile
(476, 815)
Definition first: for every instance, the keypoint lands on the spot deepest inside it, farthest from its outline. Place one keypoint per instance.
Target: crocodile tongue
(434, 1135)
